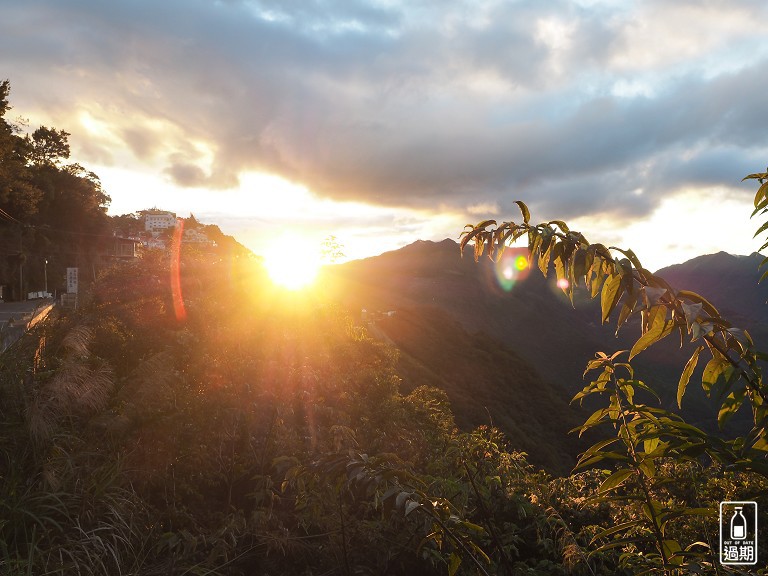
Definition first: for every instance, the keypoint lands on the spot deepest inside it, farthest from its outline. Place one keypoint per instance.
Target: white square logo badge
(738, 533)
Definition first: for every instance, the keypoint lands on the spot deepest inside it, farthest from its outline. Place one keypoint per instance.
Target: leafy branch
(618, 277)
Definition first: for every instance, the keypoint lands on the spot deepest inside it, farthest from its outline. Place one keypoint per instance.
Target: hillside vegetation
(189, 417)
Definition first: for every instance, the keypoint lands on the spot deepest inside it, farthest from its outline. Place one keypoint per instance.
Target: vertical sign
(738, 533)
(71, 280)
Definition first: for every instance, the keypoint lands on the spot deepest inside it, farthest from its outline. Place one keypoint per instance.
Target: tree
(331, 249)
(48, 146)
(18, 195)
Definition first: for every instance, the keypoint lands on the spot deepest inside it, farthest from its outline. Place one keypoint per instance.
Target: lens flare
(178, 300)
(512, 268)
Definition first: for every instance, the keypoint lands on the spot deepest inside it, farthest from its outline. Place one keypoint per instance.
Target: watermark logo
(738, 533)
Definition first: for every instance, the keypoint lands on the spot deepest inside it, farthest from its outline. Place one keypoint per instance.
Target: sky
(383, 122)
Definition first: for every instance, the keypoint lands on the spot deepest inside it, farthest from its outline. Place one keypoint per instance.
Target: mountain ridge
(533, 322)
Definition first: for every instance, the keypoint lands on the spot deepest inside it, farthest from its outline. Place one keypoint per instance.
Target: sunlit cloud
(385, 122)
(681, 227)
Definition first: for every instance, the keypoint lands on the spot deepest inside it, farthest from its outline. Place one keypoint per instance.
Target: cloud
(573, 107)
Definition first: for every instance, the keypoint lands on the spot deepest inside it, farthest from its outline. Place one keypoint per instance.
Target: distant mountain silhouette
(731, 284)
(525, 343)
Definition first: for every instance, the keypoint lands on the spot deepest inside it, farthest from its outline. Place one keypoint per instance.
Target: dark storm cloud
(419, 105)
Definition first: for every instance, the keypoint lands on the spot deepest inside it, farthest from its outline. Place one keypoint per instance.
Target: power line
(8, 217)
(46, 227)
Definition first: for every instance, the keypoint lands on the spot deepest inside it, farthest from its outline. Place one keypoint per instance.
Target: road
(21, 314)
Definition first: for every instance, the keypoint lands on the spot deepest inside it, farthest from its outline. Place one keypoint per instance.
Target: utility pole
(45, 273)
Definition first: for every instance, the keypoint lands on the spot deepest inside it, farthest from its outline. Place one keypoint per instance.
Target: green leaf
(714, 369)
(545, 251)
(650, 445)
(658, 329)
(730, 406)
(534, 242)
(591, 421)
(647, 467)
(613, 544)
(614, 480)
(454, 561)
(474, 527)
(601, 456)
(563, 226)
(630, 255)
(524, 211)
(756, 176)
(579, 264)
(626, 310)
(615, 529)
(597, 446)
(693, 297)
(485, 223)
(761, 229)
(611, 293)
(762, 191)
(686, 375)
(672, 547)
(410, 507)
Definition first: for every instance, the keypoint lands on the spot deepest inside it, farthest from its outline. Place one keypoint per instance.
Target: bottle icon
(738, 525)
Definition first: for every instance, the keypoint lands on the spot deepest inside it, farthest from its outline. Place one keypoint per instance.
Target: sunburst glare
(292, 268)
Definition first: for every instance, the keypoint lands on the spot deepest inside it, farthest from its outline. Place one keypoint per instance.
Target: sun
(292, 269)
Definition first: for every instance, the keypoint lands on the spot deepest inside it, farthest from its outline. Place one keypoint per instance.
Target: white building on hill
(156, 220)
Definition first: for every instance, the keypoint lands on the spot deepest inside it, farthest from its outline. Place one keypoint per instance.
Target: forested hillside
(243, 429)
(53, 213)
(534, 318)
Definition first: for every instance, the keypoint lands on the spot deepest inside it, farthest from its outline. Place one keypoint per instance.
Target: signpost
(70, 298)
(71, 280)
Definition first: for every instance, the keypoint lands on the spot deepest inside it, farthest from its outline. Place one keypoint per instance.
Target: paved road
(21, 311)
(22, 314)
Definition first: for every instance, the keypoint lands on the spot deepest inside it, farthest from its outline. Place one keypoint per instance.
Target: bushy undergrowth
(262, 433)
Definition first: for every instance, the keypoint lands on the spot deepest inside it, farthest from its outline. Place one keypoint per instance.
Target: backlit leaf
(714, 369)
(659, 328)
(762, 191)
(647, 466)
(615, 529)
(693, 297)
(545, 251)
(485, 223)
(730, 406)
(610, 295)
(563, 226)
(690, 366)
(614, 480)
(579, 264)
(524, 211)
(454, 561)
(762, 228)
(467, 237)
(630, 255)
(672, 547)
(626, 310)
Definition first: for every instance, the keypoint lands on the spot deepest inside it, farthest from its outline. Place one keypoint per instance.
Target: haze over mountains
(515, 357)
